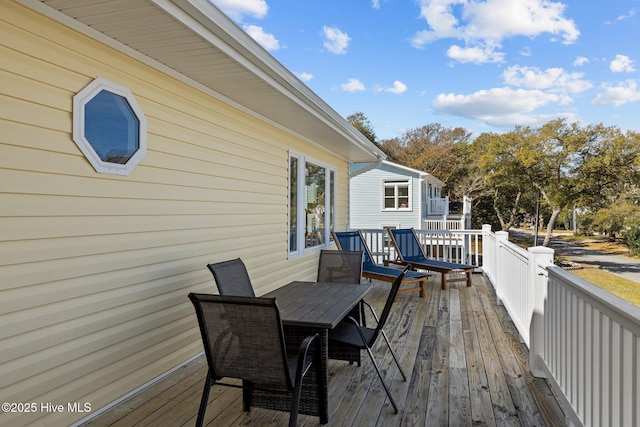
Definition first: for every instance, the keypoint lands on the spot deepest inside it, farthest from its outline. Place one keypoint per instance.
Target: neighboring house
(140, 141)
(393, 195)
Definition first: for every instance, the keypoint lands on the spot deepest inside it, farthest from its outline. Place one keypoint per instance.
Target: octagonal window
(109, 127)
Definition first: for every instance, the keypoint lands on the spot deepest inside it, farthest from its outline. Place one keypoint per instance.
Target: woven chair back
(232, 278)
(243, 338)
(340, 266)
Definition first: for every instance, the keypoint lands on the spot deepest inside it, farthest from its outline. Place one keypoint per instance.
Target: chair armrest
(302, 353)
(375, 316)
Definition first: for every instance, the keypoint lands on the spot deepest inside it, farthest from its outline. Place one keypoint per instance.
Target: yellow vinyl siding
(95, 268)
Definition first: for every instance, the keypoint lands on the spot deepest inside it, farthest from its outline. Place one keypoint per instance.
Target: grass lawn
(625, 289)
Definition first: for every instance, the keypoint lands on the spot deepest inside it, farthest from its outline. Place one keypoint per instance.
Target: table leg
(323, 383)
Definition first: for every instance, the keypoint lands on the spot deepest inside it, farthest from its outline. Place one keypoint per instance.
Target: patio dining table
(308, 308)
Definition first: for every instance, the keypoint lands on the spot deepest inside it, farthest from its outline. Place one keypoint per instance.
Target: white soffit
(200, 43)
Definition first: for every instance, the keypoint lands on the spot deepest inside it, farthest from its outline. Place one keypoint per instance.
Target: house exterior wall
(96, 268)
(366, 202)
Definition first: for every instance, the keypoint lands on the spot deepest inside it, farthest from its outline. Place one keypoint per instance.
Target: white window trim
(383, 185)
(302, 203)
(80, 100)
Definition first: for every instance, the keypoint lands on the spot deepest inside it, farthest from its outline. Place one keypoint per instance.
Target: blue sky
(484, 65)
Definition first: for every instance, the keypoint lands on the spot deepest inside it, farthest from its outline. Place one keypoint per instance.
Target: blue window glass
(111, 127)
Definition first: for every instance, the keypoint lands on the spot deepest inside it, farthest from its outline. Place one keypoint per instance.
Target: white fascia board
(202, 17)
(422, 174)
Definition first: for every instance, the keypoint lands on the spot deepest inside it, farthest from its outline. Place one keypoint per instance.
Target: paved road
(619, 265)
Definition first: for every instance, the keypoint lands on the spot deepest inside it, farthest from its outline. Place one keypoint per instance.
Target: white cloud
(622, 93)
(268, 41)
(335, 41)
(552, 79)
(499, 106)
(622, 64)
(398, 88)
(236, 9)
(476, 55)
(525, 51)
(629, 14)
(499, 19)
(353, 85)
(580, 61)
(375, 4)
(485, 24)
(305, 77)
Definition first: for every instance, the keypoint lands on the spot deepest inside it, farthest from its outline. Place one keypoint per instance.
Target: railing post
(539, 258)
(488, 259)
(501, 238)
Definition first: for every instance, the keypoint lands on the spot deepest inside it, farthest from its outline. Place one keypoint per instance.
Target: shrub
(632, 237)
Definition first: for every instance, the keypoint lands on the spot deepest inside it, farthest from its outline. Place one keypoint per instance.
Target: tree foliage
(584, 166)
(433, 148)
(615, 218)
(502, 163)
(558, 166)
(632, 237)
(359, 121)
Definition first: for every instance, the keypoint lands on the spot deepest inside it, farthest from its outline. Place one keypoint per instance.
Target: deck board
(464, 361)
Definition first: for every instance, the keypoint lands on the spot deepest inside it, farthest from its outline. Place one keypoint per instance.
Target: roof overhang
(195, 42)
(421, 174)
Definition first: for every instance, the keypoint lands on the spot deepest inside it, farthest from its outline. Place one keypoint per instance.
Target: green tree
(501, 160)
(432, 148)
(615, 218)
(359, 121)
(632, 237)
(566, 164)
(585, 167)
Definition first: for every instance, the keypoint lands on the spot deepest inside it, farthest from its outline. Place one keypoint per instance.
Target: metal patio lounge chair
(243, 338)
(409, 251)
(354, 241)
(349, 333)
(232, 278)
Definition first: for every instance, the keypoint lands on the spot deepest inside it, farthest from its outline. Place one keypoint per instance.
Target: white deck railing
(461, 246)
(584, 340)
(442, 224)
(437, 206)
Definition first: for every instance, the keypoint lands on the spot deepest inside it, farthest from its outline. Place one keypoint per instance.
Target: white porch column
(540, 257)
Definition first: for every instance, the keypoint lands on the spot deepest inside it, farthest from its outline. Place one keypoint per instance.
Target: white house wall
(366, 200)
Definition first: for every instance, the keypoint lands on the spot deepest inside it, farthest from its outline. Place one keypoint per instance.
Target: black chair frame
(351, 333)
(291, 383)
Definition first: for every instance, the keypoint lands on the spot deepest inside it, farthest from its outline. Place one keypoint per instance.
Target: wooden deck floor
(462, 355)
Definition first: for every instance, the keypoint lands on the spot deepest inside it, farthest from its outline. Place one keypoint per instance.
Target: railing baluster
(587, 343)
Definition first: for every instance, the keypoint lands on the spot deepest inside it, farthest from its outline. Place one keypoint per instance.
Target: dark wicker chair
(343, 267)
(350, 333)
(243, 338)
(340, 266)
(232, 278)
